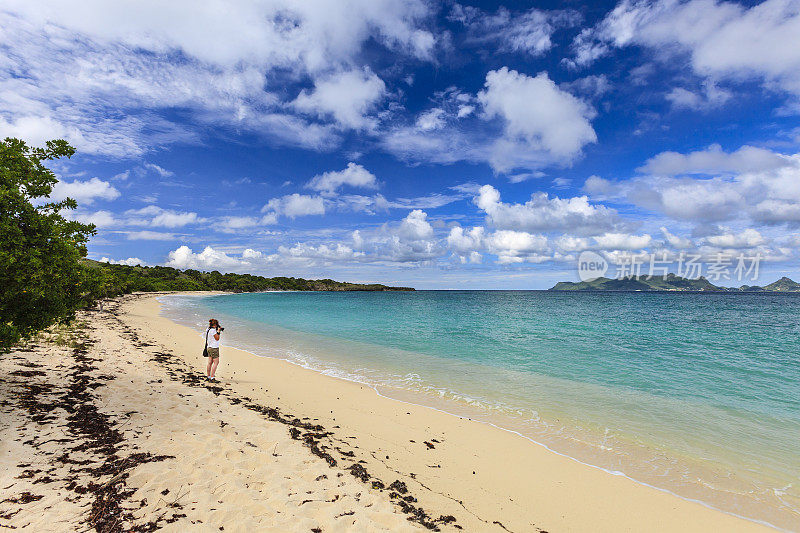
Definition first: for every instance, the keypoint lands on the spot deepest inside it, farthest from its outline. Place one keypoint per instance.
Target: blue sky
(434, 144)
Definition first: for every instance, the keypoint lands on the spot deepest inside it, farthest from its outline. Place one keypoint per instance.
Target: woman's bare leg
(214, 363)
(208, 367)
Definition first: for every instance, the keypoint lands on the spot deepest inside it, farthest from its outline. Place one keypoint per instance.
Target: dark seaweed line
(313, 436)
(449, 497)
(93, 434)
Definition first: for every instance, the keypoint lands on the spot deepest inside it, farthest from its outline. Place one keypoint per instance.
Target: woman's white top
(212, 342)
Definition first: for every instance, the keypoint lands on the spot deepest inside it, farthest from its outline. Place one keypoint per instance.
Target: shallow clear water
(694, 393)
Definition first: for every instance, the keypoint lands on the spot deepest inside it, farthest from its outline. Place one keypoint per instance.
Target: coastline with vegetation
(115, 280)
(672, 283)
(43, 264)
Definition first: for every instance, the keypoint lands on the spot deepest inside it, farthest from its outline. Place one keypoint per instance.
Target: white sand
(250, 474)
(232, 468)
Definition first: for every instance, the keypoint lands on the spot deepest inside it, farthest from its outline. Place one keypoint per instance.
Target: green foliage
(43, 278)
(112, 280)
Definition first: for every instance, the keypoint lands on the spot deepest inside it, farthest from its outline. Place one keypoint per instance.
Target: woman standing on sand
(212, 348)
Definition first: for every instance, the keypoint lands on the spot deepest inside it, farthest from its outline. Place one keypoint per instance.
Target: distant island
(124, 279)
(670, 282)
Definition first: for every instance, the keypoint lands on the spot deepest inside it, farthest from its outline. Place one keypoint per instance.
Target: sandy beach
(109, 426)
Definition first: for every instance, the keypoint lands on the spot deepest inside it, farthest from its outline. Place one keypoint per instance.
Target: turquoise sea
(698, 394)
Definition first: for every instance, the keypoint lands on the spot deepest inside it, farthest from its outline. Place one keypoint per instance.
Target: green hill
(747, 288)
(670, 282)
(783, 285)
(122, 279)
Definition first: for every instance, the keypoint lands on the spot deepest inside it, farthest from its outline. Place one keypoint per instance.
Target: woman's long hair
(213, 323)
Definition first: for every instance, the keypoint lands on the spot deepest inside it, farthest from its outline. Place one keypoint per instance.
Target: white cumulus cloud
(347, 97)
(101, 219)
(354, 175)
(528, 32)
(541, 121)
(131, 261)
(676, 241)
(81, 59)
(84, 192)
(525, 123)
(416, 226)
(153, 215)
(183, 258)
(433, 119)
(293, 206)
(749, 238)
(466, 241)
(714, 160)
(709, 97)
(622, 241)
(517, 246)
(542, 213)
(723, 40)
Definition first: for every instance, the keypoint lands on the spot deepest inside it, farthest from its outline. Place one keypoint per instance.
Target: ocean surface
(698, 394)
